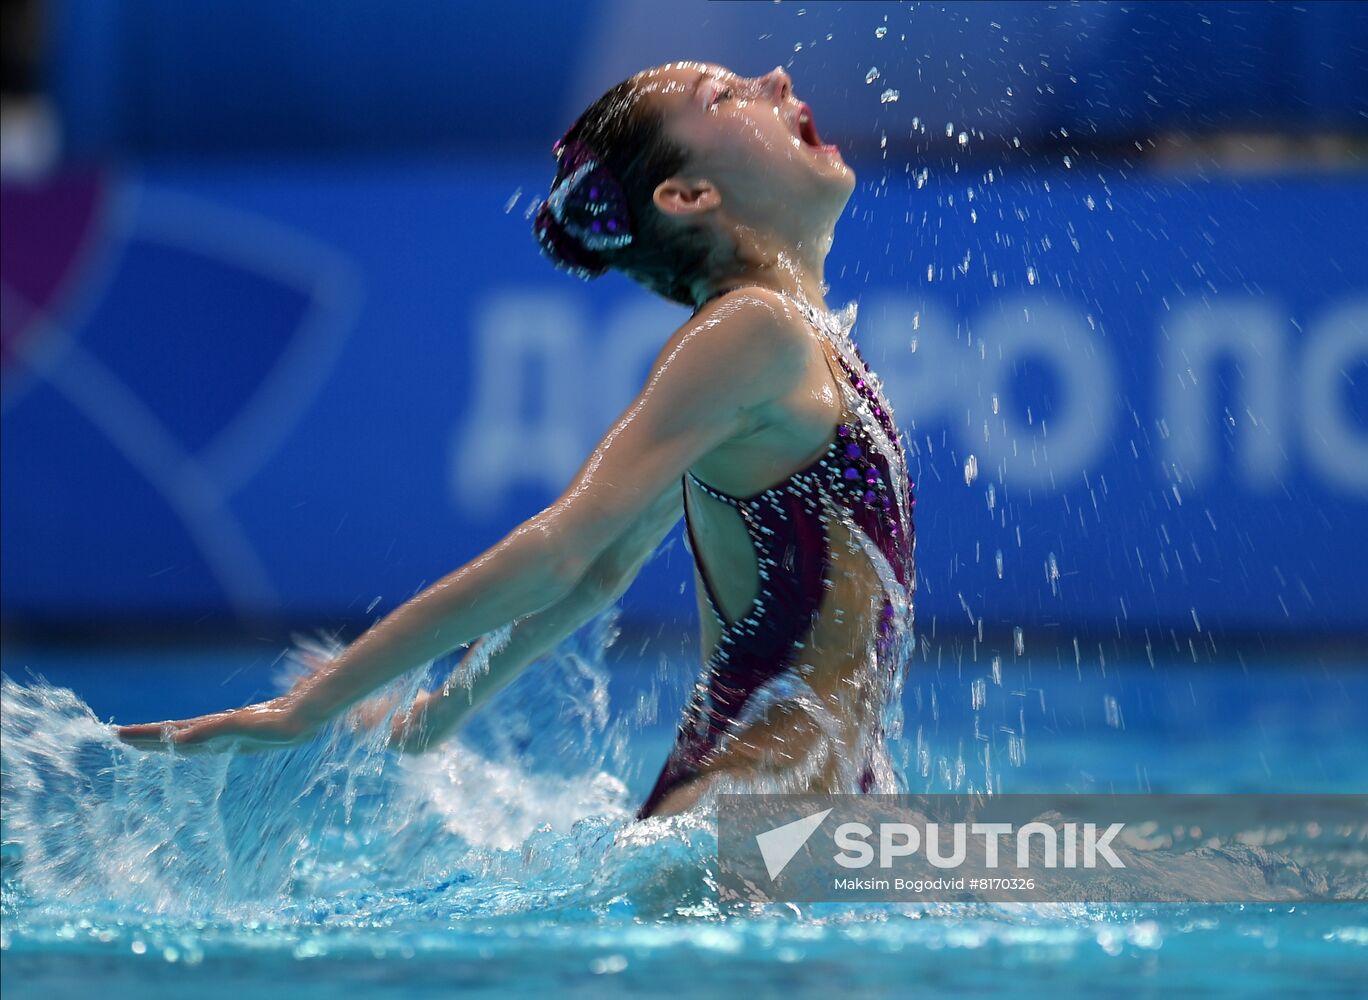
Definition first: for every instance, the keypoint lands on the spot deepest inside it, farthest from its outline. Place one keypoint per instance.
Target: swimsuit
(861, 478)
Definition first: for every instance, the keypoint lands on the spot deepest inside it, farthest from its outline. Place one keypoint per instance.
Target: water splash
(89, 821)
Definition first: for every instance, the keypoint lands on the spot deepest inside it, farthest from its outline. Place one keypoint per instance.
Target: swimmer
(759, 423)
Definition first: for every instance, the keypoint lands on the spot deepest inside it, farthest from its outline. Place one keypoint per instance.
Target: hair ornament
(587, 200)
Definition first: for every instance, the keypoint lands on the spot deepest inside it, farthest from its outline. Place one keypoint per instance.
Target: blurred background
(279, 349)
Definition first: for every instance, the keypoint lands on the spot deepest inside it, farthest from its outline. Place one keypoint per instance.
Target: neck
(794, 268)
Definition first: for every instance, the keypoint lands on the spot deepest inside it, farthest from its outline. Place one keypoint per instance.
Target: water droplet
(1016, 750)
(992, 497)
(978, 693)
(1018, 641)
(997, 670)
(872, 75)
(963, 138)
(880, 31)
(997, 562)
(608, 966)
(1112, 708)
(1030, 275)
(949, 129)
(970, 470)
(996, 404)
(888, 96)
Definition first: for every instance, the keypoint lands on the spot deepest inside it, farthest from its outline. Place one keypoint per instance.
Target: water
(506, 863)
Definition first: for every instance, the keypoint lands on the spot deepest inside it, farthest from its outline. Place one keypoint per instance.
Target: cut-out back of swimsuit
(861, 478)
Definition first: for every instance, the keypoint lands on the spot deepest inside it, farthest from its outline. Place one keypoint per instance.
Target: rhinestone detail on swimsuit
(860, 477)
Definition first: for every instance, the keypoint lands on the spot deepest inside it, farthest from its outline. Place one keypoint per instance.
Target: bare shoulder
(754, 313)
(749, 333)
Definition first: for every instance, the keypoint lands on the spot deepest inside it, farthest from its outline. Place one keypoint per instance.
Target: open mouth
(807, 131)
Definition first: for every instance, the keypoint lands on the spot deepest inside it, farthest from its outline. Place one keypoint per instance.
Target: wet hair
(600, 214)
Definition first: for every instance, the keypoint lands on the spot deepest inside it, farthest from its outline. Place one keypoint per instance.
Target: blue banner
(166, 76)
(1136, 402)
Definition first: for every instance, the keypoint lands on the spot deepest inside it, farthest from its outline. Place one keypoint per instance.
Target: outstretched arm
(706, 387)
(436, 714)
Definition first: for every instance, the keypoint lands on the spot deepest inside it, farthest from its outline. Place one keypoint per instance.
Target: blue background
(309, 359)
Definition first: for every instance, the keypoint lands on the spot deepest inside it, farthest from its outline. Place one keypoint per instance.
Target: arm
(436, 714)
(705, 388)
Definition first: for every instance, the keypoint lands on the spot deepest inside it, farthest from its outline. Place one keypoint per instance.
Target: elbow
(611, 573)
(566, 553)
(563, 573)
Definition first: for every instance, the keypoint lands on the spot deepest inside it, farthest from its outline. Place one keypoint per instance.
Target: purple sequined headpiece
(585, 213)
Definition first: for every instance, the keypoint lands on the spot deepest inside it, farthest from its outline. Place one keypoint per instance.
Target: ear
(682, 196)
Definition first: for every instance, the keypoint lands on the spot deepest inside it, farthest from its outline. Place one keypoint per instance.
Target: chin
(840, 184)
(837, 174)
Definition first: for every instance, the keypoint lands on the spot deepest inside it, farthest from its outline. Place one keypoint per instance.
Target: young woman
(759, 422)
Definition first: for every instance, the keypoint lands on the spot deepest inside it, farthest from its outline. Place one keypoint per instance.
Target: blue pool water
(505, 864)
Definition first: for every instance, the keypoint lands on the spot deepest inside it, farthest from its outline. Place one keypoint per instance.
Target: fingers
(152, 743)
(182, 733)
(144, 731)
(214, 734)
(147, 735)
(255, 727)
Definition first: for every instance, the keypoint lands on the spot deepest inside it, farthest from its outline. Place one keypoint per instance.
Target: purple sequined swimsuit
(861, 478)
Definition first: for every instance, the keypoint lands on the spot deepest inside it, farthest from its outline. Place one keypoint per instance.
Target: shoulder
(751, 326)
(744, 348)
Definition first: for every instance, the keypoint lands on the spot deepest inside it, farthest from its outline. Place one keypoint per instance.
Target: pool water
(506, 864)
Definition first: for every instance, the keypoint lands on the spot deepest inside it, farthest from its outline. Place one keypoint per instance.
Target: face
(756, 142)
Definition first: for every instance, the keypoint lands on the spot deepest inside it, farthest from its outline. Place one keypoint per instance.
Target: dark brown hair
(626, 133)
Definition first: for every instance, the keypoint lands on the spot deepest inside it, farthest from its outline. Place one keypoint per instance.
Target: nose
(778, 84)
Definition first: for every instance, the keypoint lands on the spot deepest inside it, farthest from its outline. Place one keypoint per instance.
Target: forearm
(438, 713)
(522, 574)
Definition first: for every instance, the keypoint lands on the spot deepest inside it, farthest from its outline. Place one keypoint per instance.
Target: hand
(268, 725)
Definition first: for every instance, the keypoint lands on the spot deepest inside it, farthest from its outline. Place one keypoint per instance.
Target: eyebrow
(732, 79)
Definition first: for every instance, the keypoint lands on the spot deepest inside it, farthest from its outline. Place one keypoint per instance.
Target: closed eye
(725, 94)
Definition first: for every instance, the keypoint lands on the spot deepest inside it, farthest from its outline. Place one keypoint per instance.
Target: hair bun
(562, 249)
(585, 214)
